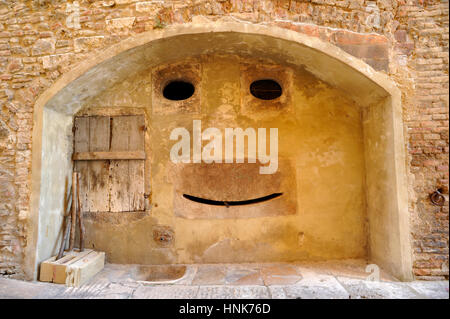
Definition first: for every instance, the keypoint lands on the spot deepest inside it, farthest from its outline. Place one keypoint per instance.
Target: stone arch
(387, 206)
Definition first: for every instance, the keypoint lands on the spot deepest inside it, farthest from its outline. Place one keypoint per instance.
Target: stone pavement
(337, 280)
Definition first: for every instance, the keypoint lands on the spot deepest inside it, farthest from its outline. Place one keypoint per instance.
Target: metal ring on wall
(437, 198)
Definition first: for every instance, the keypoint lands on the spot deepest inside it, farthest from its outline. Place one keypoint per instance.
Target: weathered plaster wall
(406, 39)
(321, 166)
(380, 126)
(327, 61)
(54, 188)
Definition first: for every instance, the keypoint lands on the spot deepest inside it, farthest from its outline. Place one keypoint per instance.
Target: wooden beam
(95, 156)
(111, 111)
(74, 269)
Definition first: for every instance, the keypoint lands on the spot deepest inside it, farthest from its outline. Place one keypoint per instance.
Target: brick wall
(427, 122)
(408, 39)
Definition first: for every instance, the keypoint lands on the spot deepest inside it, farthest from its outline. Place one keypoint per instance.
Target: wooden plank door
(110, 184)
(136, 167)
(98, 173)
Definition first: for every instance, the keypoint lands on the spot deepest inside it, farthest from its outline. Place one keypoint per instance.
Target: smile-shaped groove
(231, 203)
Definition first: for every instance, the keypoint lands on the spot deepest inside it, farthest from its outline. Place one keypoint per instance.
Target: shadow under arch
(386, 184)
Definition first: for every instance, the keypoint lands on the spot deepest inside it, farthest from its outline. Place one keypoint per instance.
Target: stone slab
(317, 287)
(210, 275)
(165, 292)
(431, 289)
(280, 275)
(241, 275)
(363, 289)
(235, 292)
(16, 289)
(277, 292)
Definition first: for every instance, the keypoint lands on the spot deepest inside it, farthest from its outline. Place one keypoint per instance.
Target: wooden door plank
(81, 144)
(136, 167)
(99, 139)
(118, 170)
(137, 185)
(137, 127)
(81, 139)
(95, 156)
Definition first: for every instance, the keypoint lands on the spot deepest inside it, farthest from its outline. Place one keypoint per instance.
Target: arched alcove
(386, 194)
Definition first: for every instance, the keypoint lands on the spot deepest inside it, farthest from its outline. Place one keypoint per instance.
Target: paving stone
(243, 276)
(99, 291)
(210, 275)
(280, 275)
(112, 296)
(352, 268)
(86, 291)
(277, 292)
(431, 289)
(118, 291)
(16, 289)
(234, 292)
(116, 274)
(165, 292)
(362, 289)
(317, 287)
(250, 292)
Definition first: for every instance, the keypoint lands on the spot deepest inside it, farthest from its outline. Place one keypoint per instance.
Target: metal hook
(437, 198)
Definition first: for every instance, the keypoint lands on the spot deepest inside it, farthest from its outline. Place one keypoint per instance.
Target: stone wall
(408, 39)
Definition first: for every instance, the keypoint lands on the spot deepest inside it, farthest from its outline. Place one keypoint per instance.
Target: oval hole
(178, 90)
(266, 89)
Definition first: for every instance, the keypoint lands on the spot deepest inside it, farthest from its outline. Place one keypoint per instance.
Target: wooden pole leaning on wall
(66, 230)
(74, 206)
(74, 211)
(80, 216)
